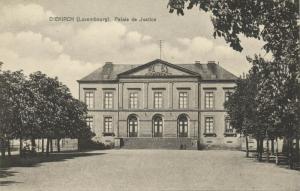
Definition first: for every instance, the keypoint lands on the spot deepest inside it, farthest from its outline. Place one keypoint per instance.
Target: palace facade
(160, 105)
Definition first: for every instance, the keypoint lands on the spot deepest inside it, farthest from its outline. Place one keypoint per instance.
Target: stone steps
(157, 143)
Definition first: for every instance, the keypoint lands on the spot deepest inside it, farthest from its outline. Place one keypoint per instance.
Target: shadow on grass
(5, 173)
(8, 182)
(35, 161)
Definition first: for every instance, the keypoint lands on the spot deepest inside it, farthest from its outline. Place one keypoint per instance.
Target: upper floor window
(209, 100)
(108, 100)
(183, 99)
(158, 100)
(89, 122)
(209, 125)
(89, 99)
(227, 95)
(108, 128)
(133, 100)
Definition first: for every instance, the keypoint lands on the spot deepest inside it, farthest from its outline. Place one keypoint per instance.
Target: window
(183, 99)
(133, 100)
(108, 100)
(227, 94)
(182, 126)
(89, 122)
(108, 125)
(209, 125)
(228, 126)
(157, 126)
(158, 100)
(209, 100)
(132, 126)
(89, 99)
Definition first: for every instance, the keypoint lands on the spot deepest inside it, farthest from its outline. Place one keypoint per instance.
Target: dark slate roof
(209, 71)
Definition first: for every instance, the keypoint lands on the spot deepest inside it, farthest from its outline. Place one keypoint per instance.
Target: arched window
(182, 125)
(157, 129)
(132, 126)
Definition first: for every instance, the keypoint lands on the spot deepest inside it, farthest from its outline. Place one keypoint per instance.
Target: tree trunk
(272, 146)
(290, 152)
(33, 144)
(21, 147)
(297, 149)
(285, 149)
(8, 148)
(47, 147)
(2, 147)
(268, 150)
(261, 147)
(79, 145)
(247, 147)
(43, 150)
(257, 148)
(277, 162)
(51, 146)
(58, 145)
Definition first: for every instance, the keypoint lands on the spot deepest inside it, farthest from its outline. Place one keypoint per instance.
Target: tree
(37, 107)
(274, 22)
(15, 101)
(58, 114)
(5, 114)
(242, 109)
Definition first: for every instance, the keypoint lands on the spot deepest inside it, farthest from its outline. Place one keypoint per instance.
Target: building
(160, 105)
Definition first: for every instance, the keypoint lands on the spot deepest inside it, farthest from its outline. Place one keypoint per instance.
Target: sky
(31, 40)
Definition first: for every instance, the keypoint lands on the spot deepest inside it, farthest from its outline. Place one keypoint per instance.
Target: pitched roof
(110, 72)
(210, 71)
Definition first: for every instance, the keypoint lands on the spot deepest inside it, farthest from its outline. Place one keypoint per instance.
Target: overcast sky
(71, 50)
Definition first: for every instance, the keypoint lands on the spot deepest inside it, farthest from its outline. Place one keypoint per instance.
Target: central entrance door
(157, 126)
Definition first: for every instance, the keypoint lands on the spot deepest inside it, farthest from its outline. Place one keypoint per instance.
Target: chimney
(108, 63)
(107, 69)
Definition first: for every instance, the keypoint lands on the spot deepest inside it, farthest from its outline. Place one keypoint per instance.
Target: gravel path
(154, 170)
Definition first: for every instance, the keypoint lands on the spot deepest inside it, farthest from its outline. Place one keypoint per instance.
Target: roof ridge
(205, 70)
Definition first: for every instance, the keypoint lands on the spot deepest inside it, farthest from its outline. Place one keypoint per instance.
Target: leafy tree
(274, 22)
(38, 107)
(59, 114)
(5, 113)
(242, 108)
(15, 101)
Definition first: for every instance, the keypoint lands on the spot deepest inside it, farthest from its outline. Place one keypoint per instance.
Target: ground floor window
(157, 126)
(182, 126)
(89, 122)
(132, 126)
(228, 126)
(209, 125)
(108, 125)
